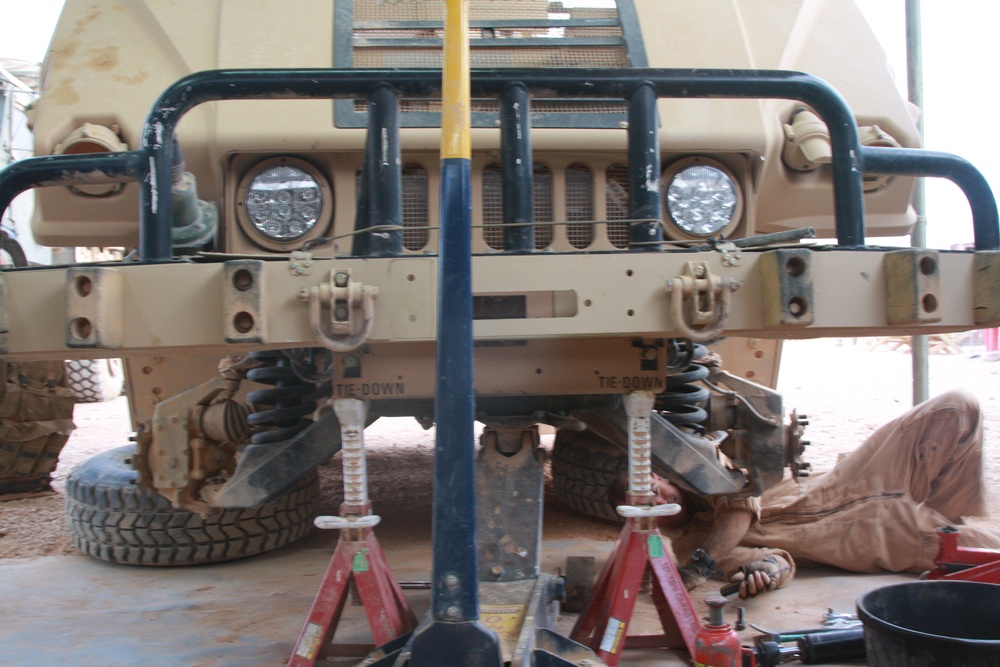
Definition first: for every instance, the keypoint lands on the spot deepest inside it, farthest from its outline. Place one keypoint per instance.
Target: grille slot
(616, 195)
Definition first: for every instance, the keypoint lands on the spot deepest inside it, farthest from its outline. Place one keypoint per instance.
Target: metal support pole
(918, 238)
(453, 635)
(518, 169)
(644, 169)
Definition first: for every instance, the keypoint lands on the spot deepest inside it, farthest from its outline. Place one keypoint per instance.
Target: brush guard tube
(151, 163)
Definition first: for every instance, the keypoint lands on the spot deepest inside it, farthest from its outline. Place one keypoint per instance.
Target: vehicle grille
(579, 226)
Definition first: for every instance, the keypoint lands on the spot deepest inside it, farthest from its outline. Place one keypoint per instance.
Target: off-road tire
(113, 519)
(584, 471)
(36, 418)
(95, 380)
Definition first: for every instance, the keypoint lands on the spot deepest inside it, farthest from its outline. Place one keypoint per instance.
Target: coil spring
(291, 398)
(681, 402)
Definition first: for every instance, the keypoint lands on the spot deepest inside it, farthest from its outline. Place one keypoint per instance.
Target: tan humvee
(293, 270)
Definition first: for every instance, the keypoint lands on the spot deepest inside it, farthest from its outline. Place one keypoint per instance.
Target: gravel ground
(845, 388)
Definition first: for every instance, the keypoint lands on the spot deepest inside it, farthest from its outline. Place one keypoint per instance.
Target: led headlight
(282, 200)
(701, 198)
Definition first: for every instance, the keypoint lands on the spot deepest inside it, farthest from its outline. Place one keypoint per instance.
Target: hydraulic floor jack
(964, 563)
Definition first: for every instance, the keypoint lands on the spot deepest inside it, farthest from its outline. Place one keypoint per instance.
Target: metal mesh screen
(616, 192)
(507, 56)
(414, 207)
(492, 205)
(542, 205)
(492, 202)
(538, 106)
(579, 205)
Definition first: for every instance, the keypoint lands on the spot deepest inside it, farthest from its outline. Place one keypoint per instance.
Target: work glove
(761, 576)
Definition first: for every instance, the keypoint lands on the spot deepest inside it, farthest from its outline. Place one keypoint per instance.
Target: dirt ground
(846, 388)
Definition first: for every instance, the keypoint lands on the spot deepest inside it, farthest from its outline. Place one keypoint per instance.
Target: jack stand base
(603, 626)
(388, 612)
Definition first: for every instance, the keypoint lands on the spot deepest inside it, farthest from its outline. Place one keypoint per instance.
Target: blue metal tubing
(67, 170)
(455, 407)
(383, 173)
(215, 85)
(518, 169)
(644, 169)
(911, 162)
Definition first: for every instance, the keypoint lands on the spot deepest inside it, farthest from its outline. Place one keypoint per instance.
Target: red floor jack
(603, 625)
(955, 562)
(358, 558)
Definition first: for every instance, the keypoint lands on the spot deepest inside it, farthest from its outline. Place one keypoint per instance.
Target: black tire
(95, 380)
(584, 471)
(36, 419)
(112, 519)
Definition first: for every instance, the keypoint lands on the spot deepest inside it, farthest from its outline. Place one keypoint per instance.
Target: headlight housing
(701, 198)
(283, 202)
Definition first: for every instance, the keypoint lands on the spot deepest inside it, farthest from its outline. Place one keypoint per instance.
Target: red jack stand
(358, 558)
(603, 626)
(966, 564)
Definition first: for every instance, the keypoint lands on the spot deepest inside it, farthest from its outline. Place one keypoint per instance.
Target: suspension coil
(681, 403)
(290, 398)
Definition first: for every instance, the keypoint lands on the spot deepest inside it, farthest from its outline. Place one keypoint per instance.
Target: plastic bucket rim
(897, 631)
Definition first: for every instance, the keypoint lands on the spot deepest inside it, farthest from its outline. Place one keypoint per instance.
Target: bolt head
(452, 612)
(451, 581)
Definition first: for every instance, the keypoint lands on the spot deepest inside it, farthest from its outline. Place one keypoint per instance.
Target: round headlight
(701, 198)
(284, 200)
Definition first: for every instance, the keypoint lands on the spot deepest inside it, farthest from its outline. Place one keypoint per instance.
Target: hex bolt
(340, 279)
(716, 610)
(451, 581)
(340, 313)
(699, 271)
(496, 571)
(452, 612)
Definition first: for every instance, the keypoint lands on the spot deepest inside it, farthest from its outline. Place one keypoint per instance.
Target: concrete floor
(79, 611)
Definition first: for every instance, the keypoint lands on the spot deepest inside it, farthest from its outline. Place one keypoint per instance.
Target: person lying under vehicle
(876, 510)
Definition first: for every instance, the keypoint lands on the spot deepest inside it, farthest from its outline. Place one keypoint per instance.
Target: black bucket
(932, 624)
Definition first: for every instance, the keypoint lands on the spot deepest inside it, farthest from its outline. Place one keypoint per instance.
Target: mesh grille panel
(493, 107)
(404, 57)
(616, 191)
(579, 205)
(542, 205)
(479, 10)
(493, 205)
(414, 206)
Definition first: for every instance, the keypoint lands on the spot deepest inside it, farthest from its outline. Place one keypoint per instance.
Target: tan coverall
(879, 507)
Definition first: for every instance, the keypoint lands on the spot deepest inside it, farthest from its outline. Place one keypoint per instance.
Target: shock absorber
(681, 403)
(290, 398)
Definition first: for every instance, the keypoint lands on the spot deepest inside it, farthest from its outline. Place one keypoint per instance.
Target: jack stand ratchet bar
(603, 625)
(358, 558)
